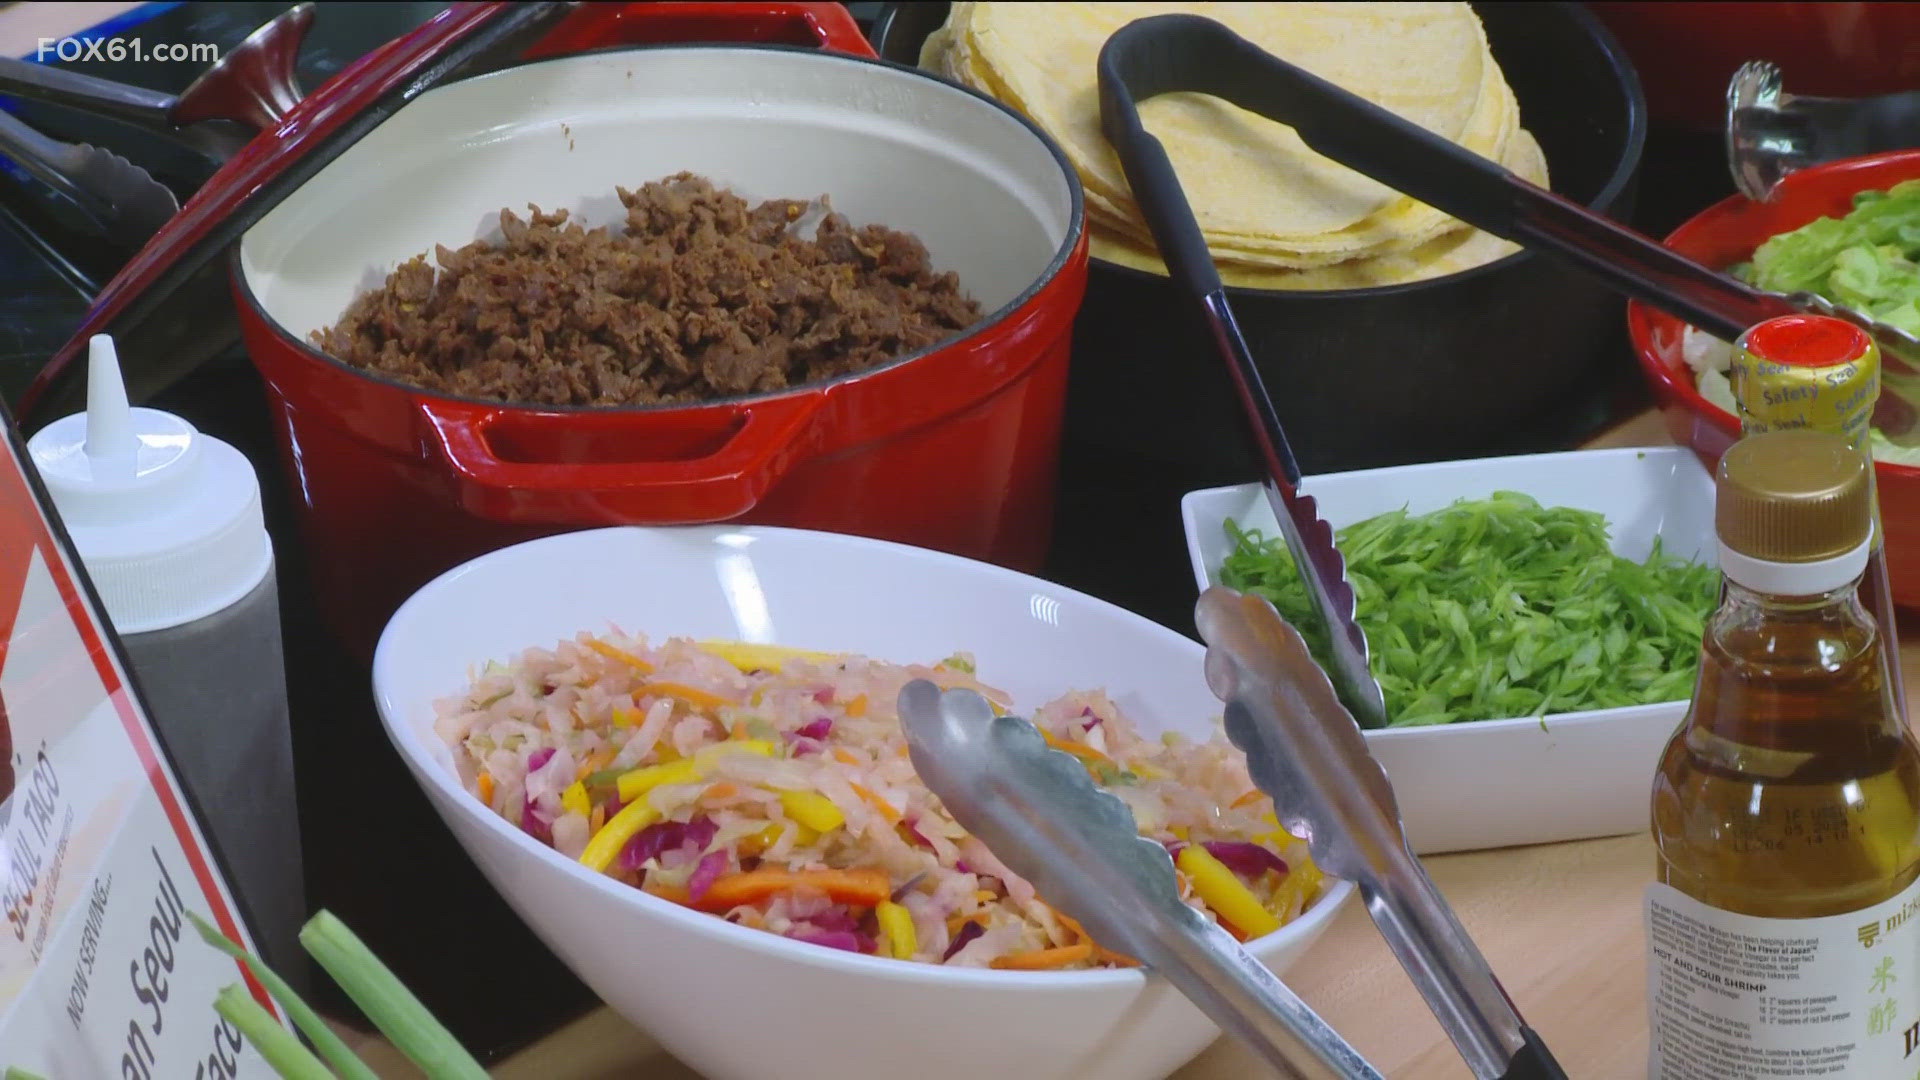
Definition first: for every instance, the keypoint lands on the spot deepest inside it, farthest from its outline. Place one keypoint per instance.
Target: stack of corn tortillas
(1276, 215)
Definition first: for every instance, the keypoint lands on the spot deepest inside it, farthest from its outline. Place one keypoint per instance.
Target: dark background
(375, 853)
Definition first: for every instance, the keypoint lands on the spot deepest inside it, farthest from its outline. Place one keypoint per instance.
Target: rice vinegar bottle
(1783, 929)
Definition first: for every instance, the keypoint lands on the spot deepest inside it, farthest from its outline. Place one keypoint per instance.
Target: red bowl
(1726, 233)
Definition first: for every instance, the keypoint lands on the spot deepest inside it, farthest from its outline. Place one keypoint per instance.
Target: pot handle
(673, 467)
(828, 26)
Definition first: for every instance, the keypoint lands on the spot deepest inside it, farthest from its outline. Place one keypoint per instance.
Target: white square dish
(1528, 780)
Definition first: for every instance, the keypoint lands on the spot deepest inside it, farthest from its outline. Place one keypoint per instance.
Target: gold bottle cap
(1794, 497)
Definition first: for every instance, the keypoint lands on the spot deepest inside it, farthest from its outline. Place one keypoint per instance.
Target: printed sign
(100, 857)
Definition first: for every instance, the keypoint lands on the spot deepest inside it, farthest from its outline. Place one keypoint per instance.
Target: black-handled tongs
(1168, 53)
(1188, 53)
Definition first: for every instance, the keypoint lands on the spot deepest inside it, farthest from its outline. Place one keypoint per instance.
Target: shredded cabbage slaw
(772, 787)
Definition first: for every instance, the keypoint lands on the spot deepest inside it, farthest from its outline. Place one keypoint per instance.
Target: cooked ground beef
(701, 297)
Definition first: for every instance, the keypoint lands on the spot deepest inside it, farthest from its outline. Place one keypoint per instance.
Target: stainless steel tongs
(1039, 812)
(1304, 749)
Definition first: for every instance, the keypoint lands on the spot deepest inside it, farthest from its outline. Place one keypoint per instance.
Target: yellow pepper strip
(1224, 893)
(689, 695)
(574, 799)
(1079, 750)
(621, 655)
(1146, 772)
(606, 843)
(485, 783)
(757, 842)
(1298, 887)
(749, 657)
(896, 927)
(634, 784)
(623, 717)
(812, 809)
(707, 755)
(753, 844)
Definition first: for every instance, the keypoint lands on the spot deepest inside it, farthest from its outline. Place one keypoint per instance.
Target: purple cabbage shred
(967, 933)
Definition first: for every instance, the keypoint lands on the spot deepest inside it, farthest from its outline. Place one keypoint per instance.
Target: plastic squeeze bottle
(168, 523)
(1783, 931)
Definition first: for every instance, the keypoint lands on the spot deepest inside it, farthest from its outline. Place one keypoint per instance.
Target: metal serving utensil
(1038, 811)
(1166, 53)
(122, 200)
(1771, 133)
(1304, 749)
(250, 88)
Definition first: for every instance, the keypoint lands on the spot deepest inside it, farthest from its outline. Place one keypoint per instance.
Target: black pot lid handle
(464, 38)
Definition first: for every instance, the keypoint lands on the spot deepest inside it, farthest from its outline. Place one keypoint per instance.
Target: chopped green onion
(393, 1009)
(329, 1045)
(1497, 608)
(281, 1048)
(22, 1074)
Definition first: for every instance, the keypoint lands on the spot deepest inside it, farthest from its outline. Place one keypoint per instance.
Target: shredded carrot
(1044, 959)
(621, 655)
(1072, 925)
(857, 708)
(864, 888)
(1250, 797)
(845, 756)
(873, 799)
(486, 788)
(1079, 750)
(738, 731)
(597, 819)
(1101, 954)
(594, 762)
(955, 922)
(721, 790)
(699, 699)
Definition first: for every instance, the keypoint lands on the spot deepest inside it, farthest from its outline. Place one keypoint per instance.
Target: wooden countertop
(1560, 923)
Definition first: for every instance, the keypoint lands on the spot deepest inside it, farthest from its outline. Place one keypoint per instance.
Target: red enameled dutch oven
(952, 448)
(1726, 233)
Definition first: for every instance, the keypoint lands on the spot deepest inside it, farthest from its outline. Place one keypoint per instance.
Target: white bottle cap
(167, 520)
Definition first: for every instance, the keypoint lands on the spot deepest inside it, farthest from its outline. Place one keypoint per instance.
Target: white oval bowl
(1525, 780)
(741, 1004)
